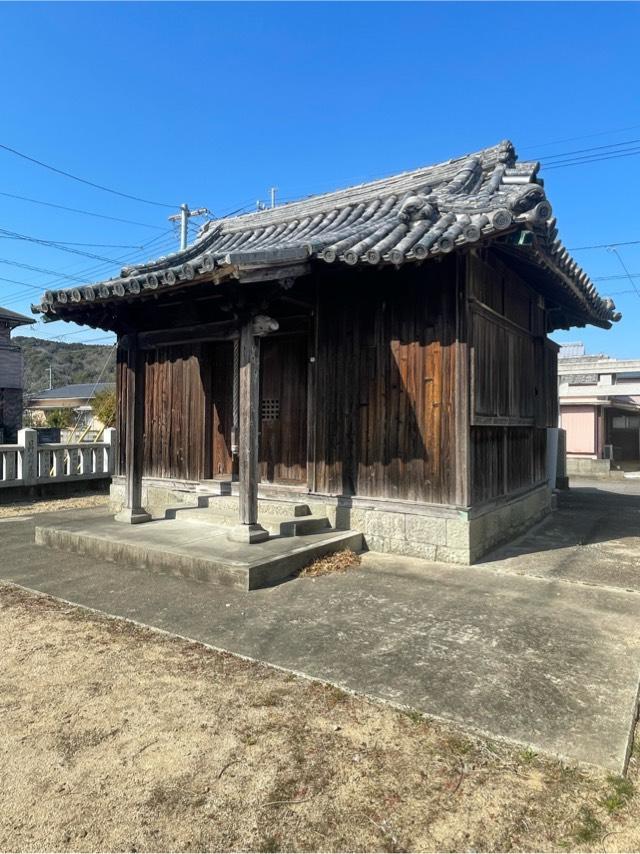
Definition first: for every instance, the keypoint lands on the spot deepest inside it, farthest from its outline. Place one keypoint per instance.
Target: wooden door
(220, 408)
(283, 409)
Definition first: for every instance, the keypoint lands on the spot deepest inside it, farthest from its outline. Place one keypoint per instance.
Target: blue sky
(214, 103)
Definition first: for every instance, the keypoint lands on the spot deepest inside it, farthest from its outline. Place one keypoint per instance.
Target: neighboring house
(600, 410)
(76, 398)
(379, 352)
(11, 375)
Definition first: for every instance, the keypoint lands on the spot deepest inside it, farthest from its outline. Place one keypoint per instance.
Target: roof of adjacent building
(12, 318)
(406, 218)
(77, 391)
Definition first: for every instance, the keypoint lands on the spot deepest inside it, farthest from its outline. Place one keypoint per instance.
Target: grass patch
(620, 792)
(338, 562)
(589, 828)
(528, 755)
(414, 716)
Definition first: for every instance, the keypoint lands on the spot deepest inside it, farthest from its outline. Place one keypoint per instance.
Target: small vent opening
(270, 409)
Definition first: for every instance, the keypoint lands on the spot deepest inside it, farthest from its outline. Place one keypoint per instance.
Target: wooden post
(133, 512)
(248, 530)
(463, 381)
(311, 397)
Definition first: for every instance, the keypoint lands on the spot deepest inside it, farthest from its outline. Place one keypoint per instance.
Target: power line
(19, 296)
(69, 242)
(18, 282)
(581, 161)
(604, 245)
(594, 148)
(610, 278)
(82, 180)
(575, 138)
(621, 293)
(70, 334)
(37, 330)
(52, 245)
(85, 272)
(93, 390)
(81, 211)
(624, 267)
(38, 269)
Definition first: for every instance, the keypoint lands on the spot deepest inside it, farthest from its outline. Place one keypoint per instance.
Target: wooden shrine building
(380, 350)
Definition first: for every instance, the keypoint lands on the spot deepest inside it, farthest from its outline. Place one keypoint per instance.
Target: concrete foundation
(200, 551)
(588, 467)
(430, 532)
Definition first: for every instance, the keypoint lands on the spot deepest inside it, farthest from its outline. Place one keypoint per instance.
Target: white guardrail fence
(27, 463)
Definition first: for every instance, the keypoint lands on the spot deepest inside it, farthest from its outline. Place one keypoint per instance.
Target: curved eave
(406, 219)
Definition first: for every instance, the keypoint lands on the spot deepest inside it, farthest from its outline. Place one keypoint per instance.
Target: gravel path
(47, 505)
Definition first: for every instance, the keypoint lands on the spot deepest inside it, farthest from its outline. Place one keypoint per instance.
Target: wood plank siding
(432, 383)
(283, 403)
(177, 391)
(385, 382)
(514, 381)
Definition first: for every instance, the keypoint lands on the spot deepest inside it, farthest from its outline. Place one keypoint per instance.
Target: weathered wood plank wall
(283, 395)
(514, 385)
(389, 377)
(385, 381)
(177, 393)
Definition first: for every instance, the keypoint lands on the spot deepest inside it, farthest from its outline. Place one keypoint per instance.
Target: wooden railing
(26, 463)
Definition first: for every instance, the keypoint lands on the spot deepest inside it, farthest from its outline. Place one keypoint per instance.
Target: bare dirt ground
(48, 505)
(118, 738)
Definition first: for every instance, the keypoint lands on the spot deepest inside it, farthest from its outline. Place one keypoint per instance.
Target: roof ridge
(504, 148)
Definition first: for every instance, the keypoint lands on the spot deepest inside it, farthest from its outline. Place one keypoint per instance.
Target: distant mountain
(70, 363)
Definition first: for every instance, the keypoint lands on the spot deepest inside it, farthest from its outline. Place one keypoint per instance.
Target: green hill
(70, 363)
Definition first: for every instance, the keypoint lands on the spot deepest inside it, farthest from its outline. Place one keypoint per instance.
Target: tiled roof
(81, 391)
(13, 318)
(406, 218)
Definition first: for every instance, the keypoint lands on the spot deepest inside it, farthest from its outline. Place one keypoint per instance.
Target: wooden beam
(462, 391)
(133, 512)
(269, 274)
(224, 330)
(248, 530)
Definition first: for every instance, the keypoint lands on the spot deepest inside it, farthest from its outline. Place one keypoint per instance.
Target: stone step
(214, 487)
(228, 506)
(295, 526)
(302, 525)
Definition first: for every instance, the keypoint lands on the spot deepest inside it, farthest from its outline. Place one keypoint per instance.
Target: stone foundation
(431, 532)
(445, 534)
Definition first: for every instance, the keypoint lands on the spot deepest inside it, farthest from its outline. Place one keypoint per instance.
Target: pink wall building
(599, 410)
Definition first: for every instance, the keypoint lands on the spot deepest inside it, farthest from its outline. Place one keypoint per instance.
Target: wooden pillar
(463, 382)
(248, 530)
(133, 512)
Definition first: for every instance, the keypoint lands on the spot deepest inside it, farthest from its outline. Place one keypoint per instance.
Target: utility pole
(50, 377)
(183, 218)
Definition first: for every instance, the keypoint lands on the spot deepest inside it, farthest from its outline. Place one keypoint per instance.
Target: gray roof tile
(401, 219)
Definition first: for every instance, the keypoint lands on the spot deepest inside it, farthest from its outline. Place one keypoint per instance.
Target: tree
(105, 407)
(59, 418)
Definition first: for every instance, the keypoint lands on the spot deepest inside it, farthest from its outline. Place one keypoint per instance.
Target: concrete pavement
(517, 648)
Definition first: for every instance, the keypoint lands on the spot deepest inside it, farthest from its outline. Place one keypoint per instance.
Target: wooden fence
(27, 463)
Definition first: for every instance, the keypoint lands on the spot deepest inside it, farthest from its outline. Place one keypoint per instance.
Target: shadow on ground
(593, 537)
